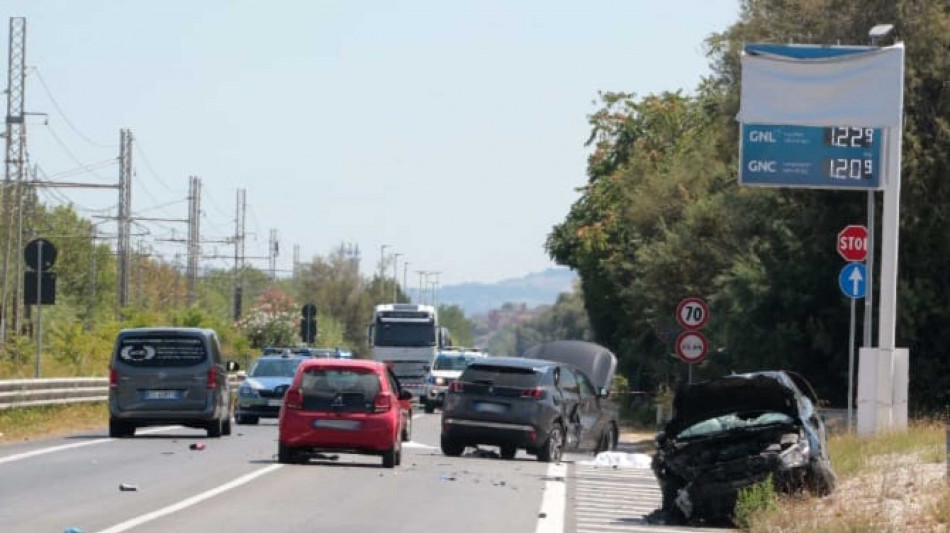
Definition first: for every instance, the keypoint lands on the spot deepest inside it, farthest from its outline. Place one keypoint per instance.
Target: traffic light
(308, 323)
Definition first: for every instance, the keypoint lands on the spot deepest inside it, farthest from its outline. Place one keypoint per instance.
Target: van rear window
(161, 350)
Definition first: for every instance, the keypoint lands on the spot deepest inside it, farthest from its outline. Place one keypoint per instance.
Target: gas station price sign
(836, 157)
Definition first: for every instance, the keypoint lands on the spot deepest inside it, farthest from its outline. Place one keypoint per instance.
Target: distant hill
(539, 288)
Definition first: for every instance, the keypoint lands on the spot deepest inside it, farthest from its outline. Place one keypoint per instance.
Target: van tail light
(113, 378)
(212, 377)
(383, 402)
(456, 386)
(293, 399)
(537, 393)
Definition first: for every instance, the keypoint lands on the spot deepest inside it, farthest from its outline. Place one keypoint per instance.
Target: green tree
(662, 216)
(460, 328)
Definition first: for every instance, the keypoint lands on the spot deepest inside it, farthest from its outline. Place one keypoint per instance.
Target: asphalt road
(235, 484)
(79, 486)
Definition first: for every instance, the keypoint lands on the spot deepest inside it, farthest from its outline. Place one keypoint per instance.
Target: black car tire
(819, 478)
(450, 447)
(392, 457)
(553, 447)
(246, 419)
(287, 455)
(428, 406)
(509, 452)
(226, 427)
(407, 431)
(215, 428)
(608, 440)
(674, 515)
(121, 430)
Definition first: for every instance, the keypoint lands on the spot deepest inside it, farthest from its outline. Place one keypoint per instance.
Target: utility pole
(125, 216)
(16, 150)
(194, 237)
(296, 259)
(395, 277)
(382, 261)
(239, 217)
(421, 273)
(274, 250)
(405, 284)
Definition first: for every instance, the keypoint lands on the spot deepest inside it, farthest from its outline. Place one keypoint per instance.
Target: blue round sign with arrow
(853, 280)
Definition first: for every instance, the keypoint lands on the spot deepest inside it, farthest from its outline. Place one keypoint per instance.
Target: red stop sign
(853, 243)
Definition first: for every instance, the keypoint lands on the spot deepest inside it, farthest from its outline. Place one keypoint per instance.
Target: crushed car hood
(595, 361)
(761, 391)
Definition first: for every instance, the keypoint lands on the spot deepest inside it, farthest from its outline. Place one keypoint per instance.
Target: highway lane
(235, 484)
(181, 489)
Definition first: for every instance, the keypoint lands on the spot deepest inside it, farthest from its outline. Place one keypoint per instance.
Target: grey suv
(169, 376)
(544, 407)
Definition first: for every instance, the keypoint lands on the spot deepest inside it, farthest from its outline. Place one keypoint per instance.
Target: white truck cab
(407, 337)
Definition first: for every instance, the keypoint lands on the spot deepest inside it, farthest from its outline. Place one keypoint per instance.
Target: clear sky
(450, 130)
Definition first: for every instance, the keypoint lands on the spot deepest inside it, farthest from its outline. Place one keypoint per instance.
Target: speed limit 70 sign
(692, 313)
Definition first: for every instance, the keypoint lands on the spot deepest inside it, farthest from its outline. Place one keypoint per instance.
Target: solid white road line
(184, 504)
(413, 444)
(51, 449)
(551, 516)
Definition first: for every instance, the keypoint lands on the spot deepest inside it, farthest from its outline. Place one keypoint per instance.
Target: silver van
(169, 376)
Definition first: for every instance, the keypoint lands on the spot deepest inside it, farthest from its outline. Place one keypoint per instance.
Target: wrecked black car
(732, 432)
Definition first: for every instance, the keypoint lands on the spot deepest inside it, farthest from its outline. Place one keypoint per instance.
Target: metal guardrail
(59, 391)
(52, 391)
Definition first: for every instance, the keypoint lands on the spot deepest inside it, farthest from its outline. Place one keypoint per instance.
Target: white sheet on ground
(620, 460)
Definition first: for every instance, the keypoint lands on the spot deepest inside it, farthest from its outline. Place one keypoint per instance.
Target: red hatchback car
(346, 406)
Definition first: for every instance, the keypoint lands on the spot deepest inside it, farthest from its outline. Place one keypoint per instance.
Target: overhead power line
(62, 114)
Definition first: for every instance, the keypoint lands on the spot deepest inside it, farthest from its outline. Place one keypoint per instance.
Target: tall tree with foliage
(662, 216)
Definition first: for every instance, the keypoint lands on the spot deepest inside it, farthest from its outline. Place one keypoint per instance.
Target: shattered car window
(733, 421)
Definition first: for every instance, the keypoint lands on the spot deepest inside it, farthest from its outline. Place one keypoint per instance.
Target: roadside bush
(757, 499)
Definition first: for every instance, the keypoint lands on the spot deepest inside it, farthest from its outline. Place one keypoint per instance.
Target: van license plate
(488, 407)
(161, 394)
(274, 403)
(346, 425)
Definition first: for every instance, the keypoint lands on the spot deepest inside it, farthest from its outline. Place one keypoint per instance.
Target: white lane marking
(551, 516)
(413, 444)
(51, 449)
(196, 499)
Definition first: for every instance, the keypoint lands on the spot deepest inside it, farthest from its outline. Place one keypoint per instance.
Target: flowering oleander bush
(273, 321)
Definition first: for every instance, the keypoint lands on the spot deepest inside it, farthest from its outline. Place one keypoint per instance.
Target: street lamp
(395, 277)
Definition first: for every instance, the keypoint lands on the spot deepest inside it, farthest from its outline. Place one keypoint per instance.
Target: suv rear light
(113, 378)
(212, 377)
(456, 386)
(382, 402)
(293, 399)
(536, 393)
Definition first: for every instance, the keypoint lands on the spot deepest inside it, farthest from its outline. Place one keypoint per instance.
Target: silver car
(169, 376)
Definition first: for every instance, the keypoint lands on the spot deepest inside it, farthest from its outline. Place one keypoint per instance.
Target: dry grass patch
(893, 482)
(33, 422)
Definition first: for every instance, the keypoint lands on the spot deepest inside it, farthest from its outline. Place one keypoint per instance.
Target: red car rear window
(339, 389)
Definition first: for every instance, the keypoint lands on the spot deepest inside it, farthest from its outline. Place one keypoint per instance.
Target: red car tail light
(383, 402)
(113, 378)
(536, 393)
(212, 377)
(293, 399)
(456, 386)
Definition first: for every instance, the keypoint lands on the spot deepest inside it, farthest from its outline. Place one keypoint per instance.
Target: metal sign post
(39, 305)
(853, 283)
